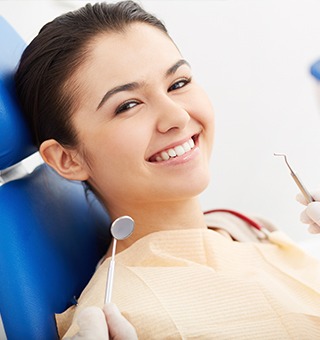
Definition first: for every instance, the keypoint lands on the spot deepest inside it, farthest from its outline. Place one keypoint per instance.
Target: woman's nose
(171, 115)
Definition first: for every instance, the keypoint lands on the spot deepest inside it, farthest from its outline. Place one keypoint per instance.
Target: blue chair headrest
(15, 140)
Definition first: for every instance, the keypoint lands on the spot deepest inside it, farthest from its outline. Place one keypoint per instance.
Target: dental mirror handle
(111, 273)
(109, 282)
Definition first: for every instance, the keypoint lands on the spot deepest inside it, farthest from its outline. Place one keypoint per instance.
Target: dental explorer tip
(285, 159)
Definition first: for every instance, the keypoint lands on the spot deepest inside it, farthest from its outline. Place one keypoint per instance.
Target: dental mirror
(121, 229)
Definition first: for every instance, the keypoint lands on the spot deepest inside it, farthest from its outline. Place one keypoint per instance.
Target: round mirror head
(122, 227)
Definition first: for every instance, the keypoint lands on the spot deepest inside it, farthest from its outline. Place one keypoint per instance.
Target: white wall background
(253, 58)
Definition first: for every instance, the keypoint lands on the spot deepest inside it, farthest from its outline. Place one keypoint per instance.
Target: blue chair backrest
(15, 141)
(52, 233)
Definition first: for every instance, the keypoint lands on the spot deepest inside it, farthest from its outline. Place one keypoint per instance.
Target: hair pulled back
(43, 86)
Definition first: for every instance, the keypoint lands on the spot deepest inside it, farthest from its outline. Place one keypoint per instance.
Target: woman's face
(144, 125)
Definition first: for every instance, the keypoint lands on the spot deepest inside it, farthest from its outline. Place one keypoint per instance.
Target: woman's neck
(149, 218)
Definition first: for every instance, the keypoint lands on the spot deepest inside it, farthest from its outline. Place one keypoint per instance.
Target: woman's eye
(179, 84)
(126, 106)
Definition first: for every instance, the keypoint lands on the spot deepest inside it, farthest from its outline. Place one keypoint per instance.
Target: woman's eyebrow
(126, 87)
(175, 66)
(134, 85)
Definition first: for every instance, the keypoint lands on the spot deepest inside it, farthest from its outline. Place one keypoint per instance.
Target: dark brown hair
(43, 86)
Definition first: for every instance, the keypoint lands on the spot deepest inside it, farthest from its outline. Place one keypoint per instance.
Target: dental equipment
(121, 229)
(295, 177)
(315, 72)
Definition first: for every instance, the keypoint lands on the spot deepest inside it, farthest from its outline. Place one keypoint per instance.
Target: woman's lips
(176, 151)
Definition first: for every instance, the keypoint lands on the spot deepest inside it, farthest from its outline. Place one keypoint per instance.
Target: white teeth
(191, 143)
(186, 146)
(176, 151)
(179, 150)
(164, 156)
(172, 153)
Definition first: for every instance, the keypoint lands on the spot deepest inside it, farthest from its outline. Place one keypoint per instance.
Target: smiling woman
(150, 105)
(115, 104)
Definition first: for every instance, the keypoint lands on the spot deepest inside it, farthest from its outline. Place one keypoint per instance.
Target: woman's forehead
(140, 44)
(141, 53)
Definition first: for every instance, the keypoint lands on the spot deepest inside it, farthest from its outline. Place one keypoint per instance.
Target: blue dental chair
(52, 233)
(315, 70)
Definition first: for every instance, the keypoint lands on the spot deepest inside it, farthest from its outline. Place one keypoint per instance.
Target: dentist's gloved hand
(311, 214)
(103, 324)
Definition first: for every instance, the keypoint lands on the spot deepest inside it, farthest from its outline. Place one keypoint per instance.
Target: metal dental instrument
(295, 177)
(121, 229)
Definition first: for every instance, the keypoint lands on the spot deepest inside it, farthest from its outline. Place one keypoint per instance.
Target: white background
(253, 58)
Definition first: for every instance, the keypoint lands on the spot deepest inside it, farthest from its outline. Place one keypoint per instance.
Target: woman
(113, 103)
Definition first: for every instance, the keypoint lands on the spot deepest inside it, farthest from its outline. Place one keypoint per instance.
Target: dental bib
(197, 283)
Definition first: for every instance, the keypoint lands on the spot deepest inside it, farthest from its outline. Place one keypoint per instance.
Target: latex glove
(311, 214)
(103, 324)
(119, 327)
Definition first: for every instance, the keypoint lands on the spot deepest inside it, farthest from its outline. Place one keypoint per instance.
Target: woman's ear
(65, 161)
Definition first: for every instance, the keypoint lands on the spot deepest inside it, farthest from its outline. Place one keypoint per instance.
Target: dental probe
(295, 177)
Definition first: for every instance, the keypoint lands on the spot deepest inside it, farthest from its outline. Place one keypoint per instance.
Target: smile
(177, 151)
